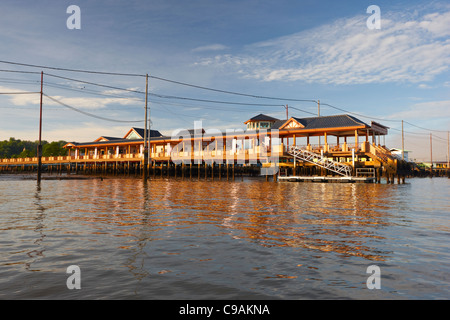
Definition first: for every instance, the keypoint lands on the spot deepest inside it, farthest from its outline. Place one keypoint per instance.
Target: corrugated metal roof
(262, 117)
(336, 121)
(110, 138)
(153, 133)
(322, 122)
(118, 141)
(277, 124)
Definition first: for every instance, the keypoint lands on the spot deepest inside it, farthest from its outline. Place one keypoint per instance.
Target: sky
(258, 56)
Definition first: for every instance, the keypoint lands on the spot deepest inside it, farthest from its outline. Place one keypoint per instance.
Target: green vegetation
(15, 148)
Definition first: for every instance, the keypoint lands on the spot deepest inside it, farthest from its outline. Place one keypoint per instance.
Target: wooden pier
(285, 146)
(324, 179)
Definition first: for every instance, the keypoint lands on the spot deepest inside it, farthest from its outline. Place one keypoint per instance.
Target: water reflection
(177, 239)
(136, 260)
(39, 228)
(343, 219)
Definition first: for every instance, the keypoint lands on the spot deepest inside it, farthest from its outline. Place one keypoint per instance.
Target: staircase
(319, 160)
(385, 157)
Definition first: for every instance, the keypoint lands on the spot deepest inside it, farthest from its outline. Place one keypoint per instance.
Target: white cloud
(438, 24)
(425, 110)
(79, 132)
(347, 52)
(87, 131)
(77, 102)
(211, 47)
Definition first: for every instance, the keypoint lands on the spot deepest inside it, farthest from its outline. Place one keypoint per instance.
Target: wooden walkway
(325, 179)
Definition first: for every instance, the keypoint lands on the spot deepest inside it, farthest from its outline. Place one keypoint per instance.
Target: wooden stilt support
(182, 170)
(233, 171)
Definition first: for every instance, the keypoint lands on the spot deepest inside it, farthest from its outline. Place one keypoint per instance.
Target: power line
(153, 94)
(393, 120)
(440, 138)
(419, 133)
(357, 114)
(185, 105)
(93, 92)
(65, 87)
(20, 71)
(156, 78)
(231, 92)
(11, 93)
(214, 101)
(290, 107)
(95, 84)
(189, 85)
(90, 114)
(425, 128)
(164, 96)
(20, 81)
(73, 70)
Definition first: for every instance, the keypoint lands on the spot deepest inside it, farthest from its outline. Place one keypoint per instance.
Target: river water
(243, 239)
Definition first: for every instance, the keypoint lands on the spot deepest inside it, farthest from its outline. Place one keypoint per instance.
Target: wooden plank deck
(332, 179)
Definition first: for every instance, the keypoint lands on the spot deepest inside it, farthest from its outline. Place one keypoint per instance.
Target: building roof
(277, 124)
(106, 138)
(311, 123)
(261, 117)
(140, 132)
(335, 121)
(114, 142)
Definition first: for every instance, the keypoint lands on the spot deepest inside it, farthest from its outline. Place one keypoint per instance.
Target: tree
(54, 149)
(16, 148)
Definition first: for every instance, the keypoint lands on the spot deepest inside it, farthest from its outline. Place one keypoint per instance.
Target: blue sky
(304, 50)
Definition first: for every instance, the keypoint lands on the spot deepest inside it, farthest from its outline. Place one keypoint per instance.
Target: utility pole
(448, 152)
(318, 114)
(149, 130)
(144, 171)
(403, 143)
(39, 150)
(287, 112)
(431, 154)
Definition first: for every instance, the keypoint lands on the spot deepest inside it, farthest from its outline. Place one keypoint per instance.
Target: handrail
(320, 161)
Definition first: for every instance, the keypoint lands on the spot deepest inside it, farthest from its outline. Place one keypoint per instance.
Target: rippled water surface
(243, 239)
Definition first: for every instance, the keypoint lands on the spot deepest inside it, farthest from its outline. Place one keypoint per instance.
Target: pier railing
(319, 160)
(257, 153)
(327, 148)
